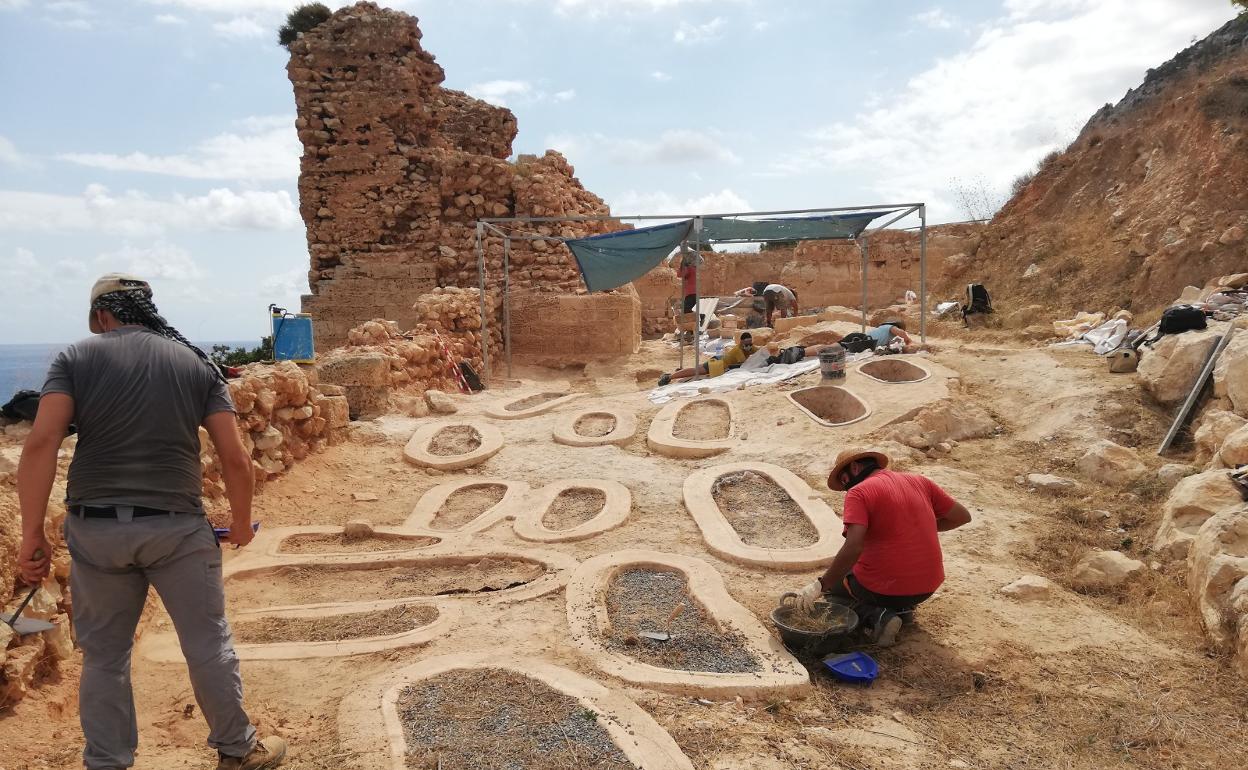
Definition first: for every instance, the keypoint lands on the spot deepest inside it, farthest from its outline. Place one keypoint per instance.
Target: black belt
(110, 512)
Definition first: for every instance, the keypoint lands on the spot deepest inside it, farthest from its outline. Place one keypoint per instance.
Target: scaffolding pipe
(608, 217)
(863, 248)
(485, 328)
(697, 296)
(507, 302)
(923, 273)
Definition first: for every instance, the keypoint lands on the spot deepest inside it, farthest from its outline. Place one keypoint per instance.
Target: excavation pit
(483, 718)
(708, 420)
(761, 512)
(334, 628)
(304, 584)
(338, 542)
(693, 429)
(466, 504)
(573, 507)
(643, 600)
(520, 407)
(830, 405)
(455, 440)
(594, 425)
(895, 371)
(535, 400)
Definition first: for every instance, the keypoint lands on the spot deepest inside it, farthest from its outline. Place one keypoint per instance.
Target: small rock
(1032, 270)
(357, 529)
(1105, 569)
(440, 403)
(1108, 463)
(1029, 587)
(1050, 484)
(1172, 473)
(364, 497)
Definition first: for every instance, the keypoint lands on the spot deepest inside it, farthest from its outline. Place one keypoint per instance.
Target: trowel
(22, 626)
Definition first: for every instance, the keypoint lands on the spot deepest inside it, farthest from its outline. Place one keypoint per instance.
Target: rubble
(1105, 569)
(1108, 463)
(1030, 588)
(940, 423)
(1170, 368)
(1050, 484)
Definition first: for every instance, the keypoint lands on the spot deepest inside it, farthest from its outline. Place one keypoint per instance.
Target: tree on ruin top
(304, 18)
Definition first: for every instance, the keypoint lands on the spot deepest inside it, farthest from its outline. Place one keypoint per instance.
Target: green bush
(223, 355)
(303, 19)
(1227, 100)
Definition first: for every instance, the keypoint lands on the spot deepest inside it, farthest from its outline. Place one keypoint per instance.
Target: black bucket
(841, 621)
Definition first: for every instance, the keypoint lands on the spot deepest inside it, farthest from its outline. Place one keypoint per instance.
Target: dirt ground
(1116, 679)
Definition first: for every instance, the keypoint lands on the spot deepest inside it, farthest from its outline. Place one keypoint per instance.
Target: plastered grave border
(615, 510)
(422, 516)
(499, 411)
(417, 449)
(723, 541)
(927, 373)
(623, 432)
(662, 439)
(373, 733)
(269, 541)
(782, 674)
(865, 403)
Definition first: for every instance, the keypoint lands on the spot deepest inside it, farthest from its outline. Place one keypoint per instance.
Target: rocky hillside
(1151, 197)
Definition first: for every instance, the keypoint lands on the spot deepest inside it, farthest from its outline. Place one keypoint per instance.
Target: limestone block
(568, 328)
(782, 325)
(326, 389)
(270, 439)
(20, 667)
(1105, 569)
(1170, 369)
(1234, 451)
(1193, 501)
(367, 402)
(1230, 375)
(440, 402)
(356, 369)
(1108, 463)
(1218, 580)
(1029, 588)
(1172, 473)
(1214, 429)
(1050, 484)
(336, 410)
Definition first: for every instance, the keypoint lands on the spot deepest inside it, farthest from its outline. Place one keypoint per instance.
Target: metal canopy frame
(494, 225)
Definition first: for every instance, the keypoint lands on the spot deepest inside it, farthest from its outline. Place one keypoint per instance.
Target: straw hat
(848, 456)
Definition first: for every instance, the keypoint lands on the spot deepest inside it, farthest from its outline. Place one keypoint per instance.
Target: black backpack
(23, 406)
(977, 300)
(1182, 318)
(470, 376)
(857, 342)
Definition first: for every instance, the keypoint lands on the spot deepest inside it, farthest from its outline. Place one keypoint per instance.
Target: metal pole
(923, 273)
(485, 324)
(611, 217)
(697, 296)
(507, 302)
(1198, 388)
(863, 248)
(897, 218)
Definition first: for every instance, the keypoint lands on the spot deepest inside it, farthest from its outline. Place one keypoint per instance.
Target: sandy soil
(337, 543)
(466, 504)
(762, 513)
(594, 425)
(573, 507)
(535, 400)
(1115, 679)
(703, 421)
(455, 440)
(334, 628)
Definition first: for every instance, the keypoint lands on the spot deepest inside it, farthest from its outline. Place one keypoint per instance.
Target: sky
(157, 136)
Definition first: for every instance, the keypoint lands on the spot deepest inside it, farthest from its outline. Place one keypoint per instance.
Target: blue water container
(292, 338)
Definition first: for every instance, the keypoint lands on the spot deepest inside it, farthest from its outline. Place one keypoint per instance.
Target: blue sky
(156, 136)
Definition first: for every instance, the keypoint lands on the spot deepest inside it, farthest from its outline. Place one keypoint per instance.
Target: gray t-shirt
(139, 400)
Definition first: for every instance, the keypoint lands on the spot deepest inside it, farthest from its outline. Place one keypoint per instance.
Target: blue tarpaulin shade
(614, 259)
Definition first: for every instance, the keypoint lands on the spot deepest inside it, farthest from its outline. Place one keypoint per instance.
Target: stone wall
(562, 329)
(397, 169)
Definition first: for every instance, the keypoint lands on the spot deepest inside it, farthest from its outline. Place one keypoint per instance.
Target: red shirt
(901, 555)
(689, 279)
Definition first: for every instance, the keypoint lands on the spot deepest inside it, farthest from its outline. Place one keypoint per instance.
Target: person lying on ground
(794, 353)
(891, 559)
(139, 393)
(748, 291)
(731, 359)
(779, 298)
(884, 334)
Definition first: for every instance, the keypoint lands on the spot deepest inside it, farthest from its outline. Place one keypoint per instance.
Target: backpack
(470, 376)
(1182, 318)
(857, 342)
(23, 406)
(977, 300)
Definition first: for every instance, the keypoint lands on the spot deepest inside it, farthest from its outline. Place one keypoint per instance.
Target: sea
(23, 367)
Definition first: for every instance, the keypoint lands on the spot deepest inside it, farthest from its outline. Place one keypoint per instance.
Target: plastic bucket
(832, 363)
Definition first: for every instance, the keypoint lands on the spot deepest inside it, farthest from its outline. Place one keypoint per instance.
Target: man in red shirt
(891, 559)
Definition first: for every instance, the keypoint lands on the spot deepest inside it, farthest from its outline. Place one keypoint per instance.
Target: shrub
(303, 19)
(1227, 100)
(221, 354)
(1020, 183)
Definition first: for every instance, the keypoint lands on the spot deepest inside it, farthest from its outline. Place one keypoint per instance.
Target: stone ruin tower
(396, 170)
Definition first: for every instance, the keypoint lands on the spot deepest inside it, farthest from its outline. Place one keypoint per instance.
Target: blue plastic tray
(223, 531)
(853, 667)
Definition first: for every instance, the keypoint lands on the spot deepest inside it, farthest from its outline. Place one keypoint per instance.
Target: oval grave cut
(894, 370)
(761, 512)
(334, 628)
(453, 446)
(594, 424)
(830, 405)
(466, 505)
(595, 427)
(342, 542)
(303, 584)
(455, 440)
(708, 420)
(691, 429)
(573, 507)
(535, 400)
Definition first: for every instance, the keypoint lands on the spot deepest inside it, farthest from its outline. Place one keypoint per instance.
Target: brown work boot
(268, 752)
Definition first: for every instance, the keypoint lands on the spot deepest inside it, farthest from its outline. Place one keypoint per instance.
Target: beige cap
(111, 282)
(848, 456)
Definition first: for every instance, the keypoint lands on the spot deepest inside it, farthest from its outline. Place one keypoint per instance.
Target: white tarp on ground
(1104, 339)
(744, 377)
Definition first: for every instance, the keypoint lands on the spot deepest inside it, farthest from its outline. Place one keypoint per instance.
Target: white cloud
(26, 279)
(161, 260)
(604, 7)
(497, 92)
(936, 18)
(75, 7)
(11, 156)
(134, 214)
(235, 7)
(285, 285)
(650, 203)
(692, 34)
(564, 96)
(761, 26)
(672, 147)
(1023, 88)
(240, 28)
(263, 148)
(12, 5)
(660, 76)
(169, 18)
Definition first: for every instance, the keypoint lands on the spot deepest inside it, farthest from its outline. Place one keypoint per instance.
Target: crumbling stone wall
(396, 170)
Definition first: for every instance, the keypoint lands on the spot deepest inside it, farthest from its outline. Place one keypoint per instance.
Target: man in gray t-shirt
(138, 393)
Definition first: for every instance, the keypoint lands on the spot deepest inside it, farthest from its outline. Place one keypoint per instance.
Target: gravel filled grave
(643, 600)
(466, 504)
(496, 719)
(703, 421)
(761, 511)
(594, 425)
(535, 400)
(335, 628)
(573, 507)
(317, 583)
(455, 440)
(339, 543)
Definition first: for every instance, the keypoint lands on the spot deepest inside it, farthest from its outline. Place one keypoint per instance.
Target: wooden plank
(1198, 388)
